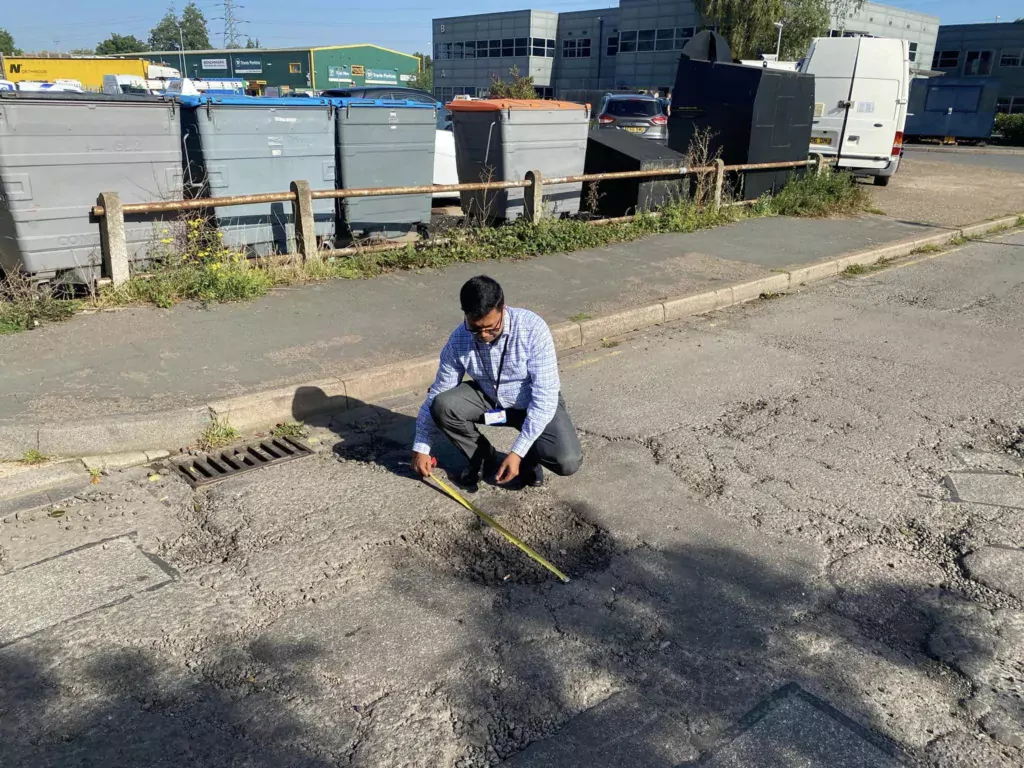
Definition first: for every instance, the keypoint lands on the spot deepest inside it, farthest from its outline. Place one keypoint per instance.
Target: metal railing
(111, 212)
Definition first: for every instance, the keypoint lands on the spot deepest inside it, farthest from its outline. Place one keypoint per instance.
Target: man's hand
(421, 464)
(509, 469)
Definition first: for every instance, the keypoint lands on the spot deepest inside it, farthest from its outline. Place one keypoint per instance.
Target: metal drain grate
(213, 468)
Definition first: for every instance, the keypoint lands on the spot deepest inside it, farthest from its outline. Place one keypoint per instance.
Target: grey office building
(572, 55)
(985, 50)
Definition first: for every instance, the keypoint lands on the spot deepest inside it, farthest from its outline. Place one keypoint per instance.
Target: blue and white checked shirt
(529, 379)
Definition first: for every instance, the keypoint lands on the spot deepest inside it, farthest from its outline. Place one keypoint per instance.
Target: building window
(946, 60)
(683, 36)
(665, 39)
(469, 49)
(456, 50)
(913, 51)
(538, 46)
(1003, 105)
(508, 47)
(576, 49)
(627, 42)
(295, 68)
(613, 46)
(522, 46)
(481, 49)
(978, 63)
(645, 40)
(1011, 58)
(495, 47)
(545, 93)
(549, 50)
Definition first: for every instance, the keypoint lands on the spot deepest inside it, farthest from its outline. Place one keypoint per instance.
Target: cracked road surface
(784, 550)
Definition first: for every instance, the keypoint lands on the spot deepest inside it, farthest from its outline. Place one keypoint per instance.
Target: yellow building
(89, 71)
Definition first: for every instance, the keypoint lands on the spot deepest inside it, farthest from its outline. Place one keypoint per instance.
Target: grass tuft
(928, 248)
(292, 429)
(579, 317)
(216, 435)
(820, 196)
(24, 306)
(33, 457)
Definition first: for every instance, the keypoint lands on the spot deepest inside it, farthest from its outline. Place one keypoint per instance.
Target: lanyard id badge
(492, 418)
(497, 414)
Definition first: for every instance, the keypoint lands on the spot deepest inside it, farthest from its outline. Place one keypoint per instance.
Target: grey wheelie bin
(242, 145)
(500, 140)
(384, 143)
(58, 151)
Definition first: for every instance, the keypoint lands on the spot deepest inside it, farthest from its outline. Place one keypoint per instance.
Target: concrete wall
(582, 59)
(978, 50)
(886, 21)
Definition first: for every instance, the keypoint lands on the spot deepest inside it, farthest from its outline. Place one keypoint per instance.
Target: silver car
(642, 115)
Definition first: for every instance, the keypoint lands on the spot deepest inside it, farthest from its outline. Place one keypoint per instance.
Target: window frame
(1008, 54)
(508, 47)
(666, 36)
(522, 47)
(939, 56)
(467, 47)
(980, 58)
(612, 46)
(682, 38)
(294, 67)
(627, 41)
(645, 37)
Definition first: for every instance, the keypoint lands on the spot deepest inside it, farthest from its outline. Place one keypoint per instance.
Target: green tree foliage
(424, 80)
(190, 27)
(116, 44)
(518, 87)
(250, 43)
(7, 45)
(749, 25)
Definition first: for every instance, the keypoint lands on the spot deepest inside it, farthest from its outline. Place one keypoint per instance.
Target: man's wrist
(423, 448)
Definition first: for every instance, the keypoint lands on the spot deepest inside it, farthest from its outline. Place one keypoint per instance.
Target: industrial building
(985, 50)
(277, 71)
(635, 45)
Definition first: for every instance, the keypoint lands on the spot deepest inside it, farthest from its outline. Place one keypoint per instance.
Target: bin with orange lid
(502, 139)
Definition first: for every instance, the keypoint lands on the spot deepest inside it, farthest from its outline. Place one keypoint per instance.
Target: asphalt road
(796, 541)
(1014, 163)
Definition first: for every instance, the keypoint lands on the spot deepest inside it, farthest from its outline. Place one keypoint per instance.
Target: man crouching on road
(510, 356)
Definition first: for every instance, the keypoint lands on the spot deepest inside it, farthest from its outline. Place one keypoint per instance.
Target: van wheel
(882, 181)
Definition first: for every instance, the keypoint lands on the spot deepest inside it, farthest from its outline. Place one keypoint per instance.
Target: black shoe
(533, 476)
(471, 475)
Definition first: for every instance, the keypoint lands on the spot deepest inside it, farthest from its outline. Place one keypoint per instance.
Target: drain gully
(212, 468)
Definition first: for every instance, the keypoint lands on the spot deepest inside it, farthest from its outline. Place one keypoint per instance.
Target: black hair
(481, 295)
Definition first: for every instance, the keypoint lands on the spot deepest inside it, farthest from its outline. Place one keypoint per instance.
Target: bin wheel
(882, 181)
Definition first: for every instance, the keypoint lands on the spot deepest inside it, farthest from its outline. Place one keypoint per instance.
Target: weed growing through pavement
(33, 457)
(216, 435)
(24, 306)
(579, 317)
(927, 248)
(292, 429)
(866, 269)
(606, 344)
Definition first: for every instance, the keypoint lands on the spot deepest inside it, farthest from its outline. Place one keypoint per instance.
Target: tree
(83, 52)
(424, 79)
(172, 30)
(250, 43)
(519, 88)
(804, 20)
(116, 44)
(7, 45)
(840, 10)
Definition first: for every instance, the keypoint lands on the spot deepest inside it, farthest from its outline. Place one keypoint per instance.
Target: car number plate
(821, 140)
(635, 129)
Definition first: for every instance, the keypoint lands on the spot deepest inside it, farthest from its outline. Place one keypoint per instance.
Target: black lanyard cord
(495, 382)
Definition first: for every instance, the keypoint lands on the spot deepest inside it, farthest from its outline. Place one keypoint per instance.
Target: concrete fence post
(305, 227)
(719, 182)
(113, 243)
(819, 163)
(534, 197)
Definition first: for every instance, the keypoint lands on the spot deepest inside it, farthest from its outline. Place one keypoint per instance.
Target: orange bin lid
(499, 105)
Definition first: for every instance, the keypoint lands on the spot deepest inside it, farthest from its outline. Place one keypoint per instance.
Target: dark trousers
(458, 411)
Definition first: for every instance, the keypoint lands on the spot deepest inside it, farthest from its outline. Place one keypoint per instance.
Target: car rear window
(633, 108)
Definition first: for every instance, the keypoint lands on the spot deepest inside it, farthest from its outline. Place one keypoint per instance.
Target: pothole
(468, 549)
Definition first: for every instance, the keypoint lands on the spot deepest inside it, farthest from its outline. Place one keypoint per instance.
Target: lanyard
(495, 382)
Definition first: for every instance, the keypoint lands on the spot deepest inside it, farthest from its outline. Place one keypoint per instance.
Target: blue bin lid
(250, 101)
(392, 103)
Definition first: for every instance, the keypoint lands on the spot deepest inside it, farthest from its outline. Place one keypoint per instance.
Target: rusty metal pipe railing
(325, 194)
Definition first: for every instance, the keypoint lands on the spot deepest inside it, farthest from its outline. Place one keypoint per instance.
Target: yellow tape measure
(499, 528)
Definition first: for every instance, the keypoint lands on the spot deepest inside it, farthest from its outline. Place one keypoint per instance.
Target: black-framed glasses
(489, 331)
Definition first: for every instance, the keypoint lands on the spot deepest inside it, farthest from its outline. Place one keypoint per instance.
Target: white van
(118, 84)
(861, 89)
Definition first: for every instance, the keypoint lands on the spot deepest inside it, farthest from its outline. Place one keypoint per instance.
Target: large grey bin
(241, 145)
(500, 140)
(384, 143)
(58, 151)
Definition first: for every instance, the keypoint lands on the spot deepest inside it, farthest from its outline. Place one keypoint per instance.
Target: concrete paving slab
(74, 584)
(1001, 568)
(794, 729)
(995, 489)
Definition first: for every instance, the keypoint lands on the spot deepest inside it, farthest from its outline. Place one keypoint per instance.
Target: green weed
(579, 317)
(292, 429)
(856, 269)
(927, 248)
(33, 457)
(606, 344)
(216, 435)
(819, 196)
(24, 306)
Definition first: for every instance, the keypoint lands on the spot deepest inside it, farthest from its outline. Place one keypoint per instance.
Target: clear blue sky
(400, 24)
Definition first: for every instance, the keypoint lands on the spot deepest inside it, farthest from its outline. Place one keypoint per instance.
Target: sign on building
(357, 70)
(381, 77)
(340, 74)
(248, 65)
(214, 63)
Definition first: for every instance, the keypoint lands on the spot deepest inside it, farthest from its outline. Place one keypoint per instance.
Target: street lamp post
(778, 46)
(181, 37)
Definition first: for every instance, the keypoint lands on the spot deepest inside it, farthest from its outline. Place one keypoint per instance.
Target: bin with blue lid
(243, 145)
(384, 143)
(58, 151)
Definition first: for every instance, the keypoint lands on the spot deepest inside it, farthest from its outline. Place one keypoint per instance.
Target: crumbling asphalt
(770, 497)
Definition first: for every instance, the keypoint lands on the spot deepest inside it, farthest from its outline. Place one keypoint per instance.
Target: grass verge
(196, 267)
